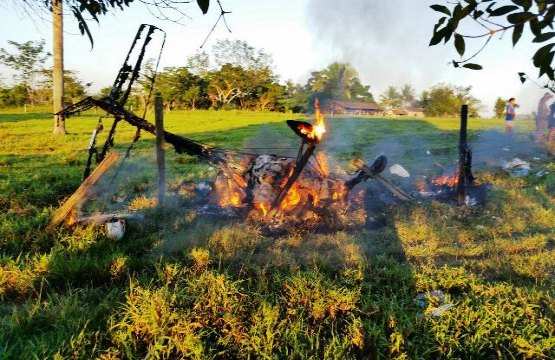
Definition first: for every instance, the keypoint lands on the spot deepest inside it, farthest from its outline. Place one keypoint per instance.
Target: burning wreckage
(276, 190)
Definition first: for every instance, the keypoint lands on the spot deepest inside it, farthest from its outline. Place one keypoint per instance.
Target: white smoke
(387, 42)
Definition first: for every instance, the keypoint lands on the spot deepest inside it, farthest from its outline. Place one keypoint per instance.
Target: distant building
(336, 107)
(409, 111)
(415, 111)
(399, 112)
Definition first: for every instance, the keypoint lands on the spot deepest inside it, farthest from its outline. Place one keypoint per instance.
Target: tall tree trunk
(58, 69)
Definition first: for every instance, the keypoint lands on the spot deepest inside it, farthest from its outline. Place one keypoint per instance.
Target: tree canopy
(86, 10)
(497, 18)
(339, 81)
(446, 100)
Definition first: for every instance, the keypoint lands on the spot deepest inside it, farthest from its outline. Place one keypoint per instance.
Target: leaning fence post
(461, 187)
(160, 156)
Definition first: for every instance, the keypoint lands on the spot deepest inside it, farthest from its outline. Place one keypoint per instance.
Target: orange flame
(292, 198)
(319, 127)
(231, 196)
(322, 163)
(339, 192)
(262, 207)
(450, 181)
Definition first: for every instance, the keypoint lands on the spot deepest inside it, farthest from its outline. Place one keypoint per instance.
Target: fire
(292, 199)
(262, 207)
(315, 131)
(339, 192)
(231, 195)
(319, 127)
(72, 218)
(322, 164)
(312, 194)
(450, 181)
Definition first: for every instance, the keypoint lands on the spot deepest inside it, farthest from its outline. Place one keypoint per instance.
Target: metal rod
(110, 139)
(160, 155)
(388, 185)
(461, 186)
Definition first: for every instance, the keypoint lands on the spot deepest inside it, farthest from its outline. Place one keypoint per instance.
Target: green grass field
(181, 286)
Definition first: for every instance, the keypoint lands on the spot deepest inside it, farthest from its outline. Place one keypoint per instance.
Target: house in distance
(336, 107)
(408, 111)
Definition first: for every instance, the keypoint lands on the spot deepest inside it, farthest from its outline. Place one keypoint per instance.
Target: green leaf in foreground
(203, 5)
(503, 10)
(472, 66)
(544, 37)
(517, 33)
(441, 9)
(459, 44)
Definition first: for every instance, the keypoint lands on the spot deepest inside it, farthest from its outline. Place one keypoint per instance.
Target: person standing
(551, 124)
(510, 115)
(541, 117)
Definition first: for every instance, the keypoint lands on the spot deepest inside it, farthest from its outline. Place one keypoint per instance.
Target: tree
(495, 18)
(499, 107)
(295, 97)
(27, 62)
(226, 84)
(74, 88)
(178, 86)
(14, 96)
(191, 96)
(407, 95)
(199, 64)
(360, 92)
(240, 53)
(58, 67)
(391, 98)
(85, 10)
(446, 100)
(338, 81)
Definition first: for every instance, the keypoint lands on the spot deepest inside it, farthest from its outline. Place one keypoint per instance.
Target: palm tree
(391, 98)
(407, 95)
(340, 80)
(58, 66)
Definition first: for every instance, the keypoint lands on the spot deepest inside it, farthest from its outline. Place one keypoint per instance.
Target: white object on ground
(440, 310)
(517, 167)
(115, 228)
(470, 201)
(398, 170)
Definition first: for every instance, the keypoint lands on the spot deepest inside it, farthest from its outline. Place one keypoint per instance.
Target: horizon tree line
(234, 75)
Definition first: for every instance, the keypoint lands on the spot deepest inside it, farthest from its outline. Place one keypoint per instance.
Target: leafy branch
(498, 17)
(85, 10)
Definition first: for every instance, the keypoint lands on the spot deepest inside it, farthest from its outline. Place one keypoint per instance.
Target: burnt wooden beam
(83, 191)
(392, 188)
(101, 219)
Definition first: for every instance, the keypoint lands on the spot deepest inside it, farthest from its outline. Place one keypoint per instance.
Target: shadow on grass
(9, 117)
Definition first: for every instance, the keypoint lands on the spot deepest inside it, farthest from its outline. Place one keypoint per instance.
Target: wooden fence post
(160, 156)
(461, 186)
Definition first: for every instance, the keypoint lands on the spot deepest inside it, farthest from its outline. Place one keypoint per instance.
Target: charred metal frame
(119, 94)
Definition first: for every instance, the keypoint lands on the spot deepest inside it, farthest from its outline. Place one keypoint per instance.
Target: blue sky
(386, 41)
